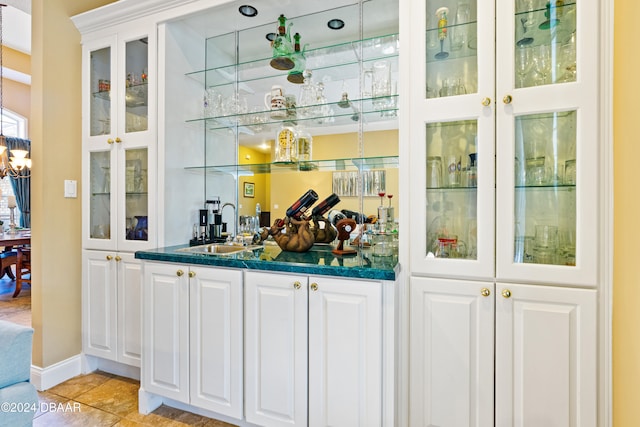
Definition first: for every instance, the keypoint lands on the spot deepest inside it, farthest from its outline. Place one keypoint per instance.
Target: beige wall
(56, 137)
(626, 290)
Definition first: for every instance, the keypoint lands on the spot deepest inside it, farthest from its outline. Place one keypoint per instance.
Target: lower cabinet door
(345, 352)
(129, 309)
(276, 349)
(165, 367)
(451, 353)
(99, 304)
(216, 340)
(546, 354)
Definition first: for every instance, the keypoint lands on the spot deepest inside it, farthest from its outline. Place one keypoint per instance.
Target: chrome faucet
(234, 215)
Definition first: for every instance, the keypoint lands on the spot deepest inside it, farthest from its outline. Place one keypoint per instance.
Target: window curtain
(21, 186)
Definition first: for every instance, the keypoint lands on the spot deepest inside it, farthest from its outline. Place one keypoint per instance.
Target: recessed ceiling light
(247, 10)
(271, 36)
(336, 24)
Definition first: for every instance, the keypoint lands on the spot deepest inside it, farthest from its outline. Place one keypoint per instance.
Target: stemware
(442, 31)
(459, 36)
(543, 62)
(524, 63)
(527, 20)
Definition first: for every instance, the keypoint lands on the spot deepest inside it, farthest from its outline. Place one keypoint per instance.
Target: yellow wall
(288, 186)
(626, 289)
(16, 96)
(56, 136)
(260, 181)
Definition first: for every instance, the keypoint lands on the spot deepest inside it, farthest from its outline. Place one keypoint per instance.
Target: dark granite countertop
(318, 260)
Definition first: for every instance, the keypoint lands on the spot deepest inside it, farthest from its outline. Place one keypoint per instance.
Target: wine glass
(527, 20)
(524, 63)
(442, 31)
(543, 62)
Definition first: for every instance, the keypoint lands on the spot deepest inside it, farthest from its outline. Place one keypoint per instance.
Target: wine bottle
(302, 204)
(324, 206)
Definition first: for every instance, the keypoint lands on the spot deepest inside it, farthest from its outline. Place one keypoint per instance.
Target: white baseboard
(45, 378)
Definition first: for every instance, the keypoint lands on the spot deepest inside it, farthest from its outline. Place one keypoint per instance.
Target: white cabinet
(119, 138)
(451, 353)
(276, 316)
(340, 322)
(545, 354)
(111, 306)
(192, 335)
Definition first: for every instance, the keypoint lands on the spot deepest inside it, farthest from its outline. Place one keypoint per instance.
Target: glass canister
(305, 145)
(286, 145)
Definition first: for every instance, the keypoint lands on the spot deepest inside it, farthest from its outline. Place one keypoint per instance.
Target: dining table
(9, 239)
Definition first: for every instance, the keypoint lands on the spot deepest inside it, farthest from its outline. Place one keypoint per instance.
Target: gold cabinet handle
(507, 99)
(485, 292)
(118, 258)
(314, 286)
(192, 274)
(486, 101)
(118, 140)
(179, 273)
(109, 141)
(296, 285)
(109, 257)
(506, 293)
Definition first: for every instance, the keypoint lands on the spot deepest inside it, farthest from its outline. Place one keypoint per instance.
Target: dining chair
(23, 268)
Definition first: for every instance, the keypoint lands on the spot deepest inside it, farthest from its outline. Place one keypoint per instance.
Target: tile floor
(93, 400)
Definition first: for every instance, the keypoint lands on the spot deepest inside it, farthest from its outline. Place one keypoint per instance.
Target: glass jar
(305, 145)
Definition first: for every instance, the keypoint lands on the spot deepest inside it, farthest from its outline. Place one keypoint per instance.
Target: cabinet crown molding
(121, 11)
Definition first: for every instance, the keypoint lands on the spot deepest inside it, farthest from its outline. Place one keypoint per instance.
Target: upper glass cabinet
(118, 82)
(519, 102)
(100, 101)
(545, 42)
(452, 48)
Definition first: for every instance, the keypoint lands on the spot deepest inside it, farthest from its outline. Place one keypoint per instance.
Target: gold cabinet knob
(314, 286)
(485, 292)
(296, 285)
(109, 141)
(109, 257)
(118, 140)
(507, 99)
(506, 293)
(192, 274)
(118, 258)
(486, 102)
(179, 273)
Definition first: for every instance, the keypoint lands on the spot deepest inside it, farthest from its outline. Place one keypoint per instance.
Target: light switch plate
(70, 188)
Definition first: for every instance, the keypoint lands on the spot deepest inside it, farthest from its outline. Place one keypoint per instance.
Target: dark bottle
(302, 204)
(324, 206)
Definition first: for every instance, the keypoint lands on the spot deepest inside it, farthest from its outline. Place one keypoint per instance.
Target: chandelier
(14, 162)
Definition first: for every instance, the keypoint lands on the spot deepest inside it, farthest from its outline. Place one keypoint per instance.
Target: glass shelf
(543, 30)
(354, 164)
(548, 187)
(467, 51)
(329, 58)
(136, 95)
(368, 110)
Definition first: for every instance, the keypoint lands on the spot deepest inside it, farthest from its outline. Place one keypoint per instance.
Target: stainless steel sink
(219, 249)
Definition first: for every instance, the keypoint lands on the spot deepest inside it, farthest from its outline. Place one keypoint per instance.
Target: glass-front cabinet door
(547, 142)
(454, 108)
(119, 141)
(507, 124)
